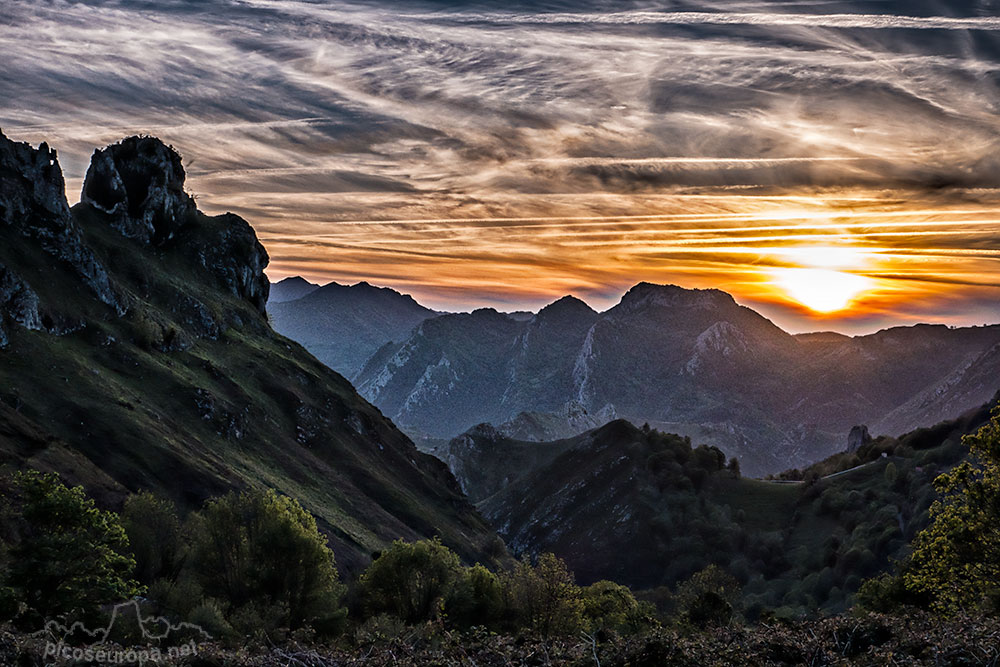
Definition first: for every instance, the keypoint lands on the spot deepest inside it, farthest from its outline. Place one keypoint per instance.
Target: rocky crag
(135, 353)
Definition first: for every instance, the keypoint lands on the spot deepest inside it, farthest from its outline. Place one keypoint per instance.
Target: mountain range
(693, 362)
(135, 353)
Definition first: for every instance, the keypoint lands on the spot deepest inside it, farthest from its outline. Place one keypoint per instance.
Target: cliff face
(135, 354)
(139, 184)
(33, 209)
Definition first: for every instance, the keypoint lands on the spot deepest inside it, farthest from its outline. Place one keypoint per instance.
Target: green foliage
(956, 560)
(885, 593)
(261, 555)
(686, 509)
(154, 535)
(891, 474)
(411, 580)
(63, 555)
(707, 597)
(611, 606)
(477, 599)
(545, 597)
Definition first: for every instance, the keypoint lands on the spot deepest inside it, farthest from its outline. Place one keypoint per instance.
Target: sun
(821, 278)
(822, 290)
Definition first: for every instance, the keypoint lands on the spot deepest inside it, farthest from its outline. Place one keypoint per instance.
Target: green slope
(163, 374)
(648, 509)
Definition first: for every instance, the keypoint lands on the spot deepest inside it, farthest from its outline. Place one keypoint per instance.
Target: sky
(834, 165)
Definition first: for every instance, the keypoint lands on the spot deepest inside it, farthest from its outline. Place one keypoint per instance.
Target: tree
(65, 555)
(154, 535)
(545, 597)
(891, 473)
(955, 561)
(477, 599)
(261, 554)
(411, 580)
(611, 606)
(707, 597)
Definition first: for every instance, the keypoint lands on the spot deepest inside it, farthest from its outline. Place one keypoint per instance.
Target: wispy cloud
(476, 156)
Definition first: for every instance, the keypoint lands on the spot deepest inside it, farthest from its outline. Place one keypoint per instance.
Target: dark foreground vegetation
(867, 640)
(257, 578)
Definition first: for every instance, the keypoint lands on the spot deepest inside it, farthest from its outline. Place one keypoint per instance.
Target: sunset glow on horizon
(844, 262)
(831, 170)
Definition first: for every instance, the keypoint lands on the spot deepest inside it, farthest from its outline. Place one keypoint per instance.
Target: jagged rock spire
(140, 182)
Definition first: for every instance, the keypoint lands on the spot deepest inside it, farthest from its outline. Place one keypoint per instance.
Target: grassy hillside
(647, 509)
(169, 378)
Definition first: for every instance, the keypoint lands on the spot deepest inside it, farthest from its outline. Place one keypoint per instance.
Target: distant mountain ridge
(573, 419)
(649, 358)
(290, 289)
(135, 354)
(687, 361)
(344, 325)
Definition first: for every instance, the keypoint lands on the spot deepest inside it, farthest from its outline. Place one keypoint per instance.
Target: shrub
(611, 606)
(477, 599)
(411, 580)
(262, 556)
(154, 535)
(707, 597)
(545, 598)
(955, 562)
(884, 593)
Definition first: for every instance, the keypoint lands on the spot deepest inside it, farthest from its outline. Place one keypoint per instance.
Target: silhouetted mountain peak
(362, 294)
(567, 306)
(488, 314)
(296, 281)
(822, 337)
(485, 431)
(645, 295)
(43, 233)
(290, 289)
(138, 185)
(32, 183)
(344, 325)
(365, 287)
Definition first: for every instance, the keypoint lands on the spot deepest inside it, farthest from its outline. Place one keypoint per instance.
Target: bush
(611, 606)
(477, 599)
(885, 593)
(154, 535)
(707, 597)
(545, 598)
(261, 555)
(411, 580)
(64, 555)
